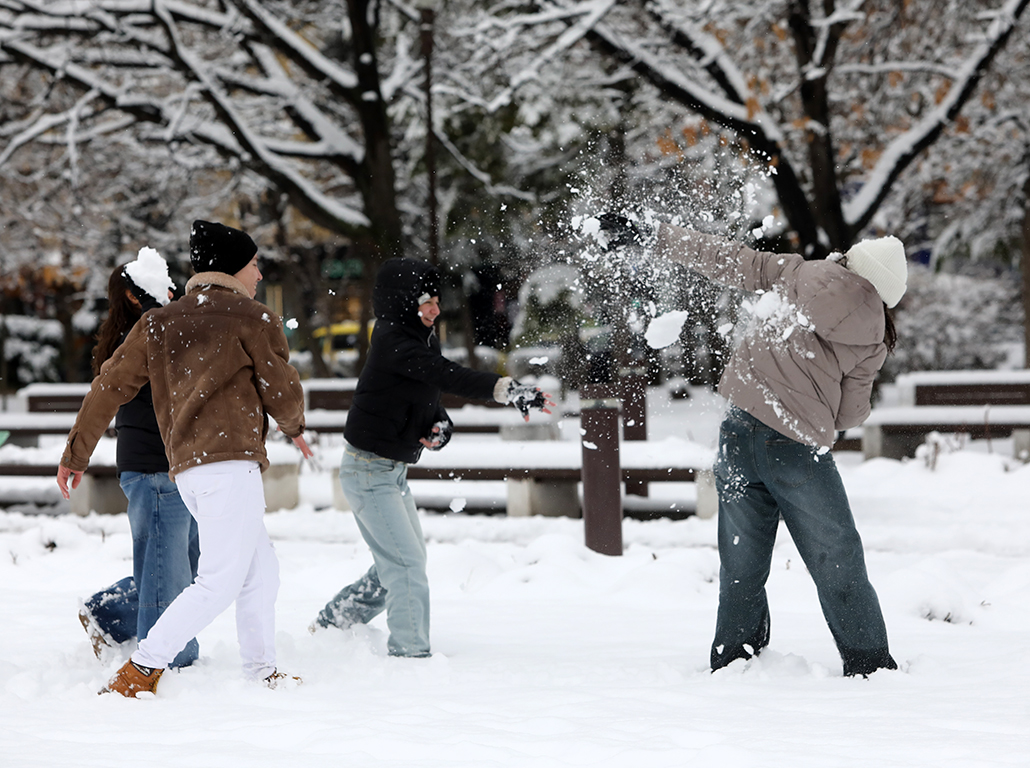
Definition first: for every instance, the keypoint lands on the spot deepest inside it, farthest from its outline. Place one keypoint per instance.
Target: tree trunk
(826, 203)
(295, 297)
(470, 327)
(375, 178)
(1024, 266)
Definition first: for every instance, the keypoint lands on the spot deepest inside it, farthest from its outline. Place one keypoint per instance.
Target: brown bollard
(602, 473)
(633, 390)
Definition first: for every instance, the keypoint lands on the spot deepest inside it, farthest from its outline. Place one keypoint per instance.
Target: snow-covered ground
(547, 654)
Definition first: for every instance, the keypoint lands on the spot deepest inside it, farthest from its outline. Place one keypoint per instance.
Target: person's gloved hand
(526, 397)
(622, 231)
(439, 436)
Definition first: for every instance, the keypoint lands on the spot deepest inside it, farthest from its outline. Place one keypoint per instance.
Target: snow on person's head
(149, 272)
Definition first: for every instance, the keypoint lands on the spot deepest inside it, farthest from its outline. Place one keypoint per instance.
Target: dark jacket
(140, 447)
(218, 364)
(397, 399)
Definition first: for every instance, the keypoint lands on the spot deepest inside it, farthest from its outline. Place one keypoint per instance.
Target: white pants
(237, 562)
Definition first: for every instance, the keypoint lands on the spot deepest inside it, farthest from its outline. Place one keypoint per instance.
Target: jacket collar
(203, 280)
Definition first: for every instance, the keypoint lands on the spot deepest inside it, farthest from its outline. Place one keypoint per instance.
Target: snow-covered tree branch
(311, 121)
(838, 98)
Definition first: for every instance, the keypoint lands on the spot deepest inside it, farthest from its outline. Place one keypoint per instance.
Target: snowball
(150, 272)
(665, 329)
(590, 226)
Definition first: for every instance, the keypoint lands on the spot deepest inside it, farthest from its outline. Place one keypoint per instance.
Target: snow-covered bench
(99, 490)
(473, 419)
(953, 388)
(981, 404)
(25, 429)
(896, 432)
(543, 476)
(53, 398)
(50, 409)
(327, 402)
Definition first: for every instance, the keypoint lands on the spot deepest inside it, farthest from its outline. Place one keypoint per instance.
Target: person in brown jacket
(217, 363)
(804, 369)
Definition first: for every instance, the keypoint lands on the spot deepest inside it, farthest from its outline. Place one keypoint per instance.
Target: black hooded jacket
(397, 399)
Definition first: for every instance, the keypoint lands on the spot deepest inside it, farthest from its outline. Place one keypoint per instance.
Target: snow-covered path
(547, 654)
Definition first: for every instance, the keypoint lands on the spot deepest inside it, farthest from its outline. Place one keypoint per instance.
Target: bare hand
(63, 473)
(435, 442)
(302, 444)
(439, 436)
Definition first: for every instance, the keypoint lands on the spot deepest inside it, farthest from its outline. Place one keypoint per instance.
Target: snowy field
(547, 654)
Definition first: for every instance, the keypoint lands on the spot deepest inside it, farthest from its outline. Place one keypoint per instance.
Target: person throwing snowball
(804, 370)
(396, 414)
(217, 363)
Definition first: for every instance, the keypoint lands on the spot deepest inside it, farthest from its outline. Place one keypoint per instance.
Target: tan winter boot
(281, 680)
(133, 678)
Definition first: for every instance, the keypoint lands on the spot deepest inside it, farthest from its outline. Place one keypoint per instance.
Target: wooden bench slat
(972, 394)
(570, 474)
(50, 470)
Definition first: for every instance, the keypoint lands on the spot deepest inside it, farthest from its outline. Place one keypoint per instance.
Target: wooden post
(602, 472)
(633, 391)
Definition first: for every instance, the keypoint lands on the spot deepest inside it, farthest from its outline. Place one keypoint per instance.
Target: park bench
(947, 388)
(897, 432)
(542, 477)
(327, 402)
(53, 398)
(99, 490)
(50, 409)
(983, 405)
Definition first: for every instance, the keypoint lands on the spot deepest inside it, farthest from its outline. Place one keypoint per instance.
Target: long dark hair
(122, 314)
(890, 333)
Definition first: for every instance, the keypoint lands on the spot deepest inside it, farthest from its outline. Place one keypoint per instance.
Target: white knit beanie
(882, 262)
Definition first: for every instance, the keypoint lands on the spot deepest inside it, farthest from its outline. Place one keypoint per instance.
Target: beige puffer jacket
(807, 362)
(217, 362)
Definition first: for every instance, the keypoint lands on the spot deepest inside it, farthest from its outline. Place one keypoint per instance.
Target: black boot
(864, 663)
(724, 654)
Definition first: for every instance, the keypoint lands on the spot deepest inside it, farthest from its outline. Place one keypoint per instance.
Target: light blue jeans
(165, 551)
(378, 492)
(762, 476)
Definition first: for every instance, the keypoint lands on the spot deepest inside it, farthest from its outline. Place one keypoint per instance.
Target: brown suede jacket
(217, 362)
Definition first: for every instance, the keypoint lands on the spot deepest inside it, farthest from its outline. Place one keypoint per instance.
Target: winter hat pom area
(882, 262)
(217, 248)
(149, 273)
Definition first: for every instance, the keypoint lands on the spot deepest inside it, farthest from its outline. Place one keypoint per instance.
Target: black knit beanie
(217, 248)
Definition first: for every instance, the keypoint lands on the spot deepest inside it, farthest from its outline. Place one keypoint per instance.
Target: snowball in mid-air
(150, 272)
(665, 329)
(590, 226)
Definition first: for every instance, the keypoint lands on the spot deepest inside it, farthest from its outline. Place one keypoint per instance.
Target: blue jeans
(165, 551)
(761, 476)
(378, 492)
